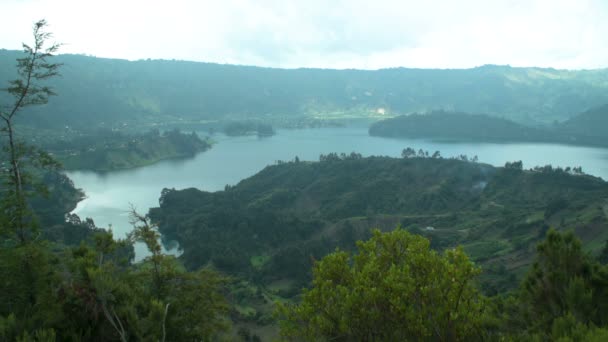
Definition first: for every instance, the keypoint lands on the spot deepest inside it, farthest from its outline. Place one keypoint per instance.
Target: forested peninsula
(106, 150)
(586, 128)
(269, 226)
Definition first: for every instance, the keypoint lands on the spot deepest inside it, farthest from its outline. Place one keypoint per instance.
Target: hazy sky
(324, 33)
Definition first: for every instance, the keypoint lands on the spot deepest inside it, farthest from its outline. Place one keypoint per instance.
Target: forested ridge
(586, 128)
(99, 91)
(290, 212)
(106, 150)
(271, 228)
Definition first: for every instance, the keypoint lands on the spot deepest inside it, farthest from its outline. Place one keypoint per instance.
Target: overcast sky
(324, 33)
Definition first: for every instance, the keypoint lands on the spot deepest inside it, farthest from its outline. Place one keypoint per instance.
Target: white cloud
(319, 33)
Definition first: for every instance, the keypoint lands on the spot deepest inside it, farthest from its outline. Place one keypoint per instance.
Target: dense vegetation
(63, 279)
(81, 284)
(110, 92)
(397, 289)
(585, 128)
(456, 126)
(90, 291)
(106, 150)
(270, 226)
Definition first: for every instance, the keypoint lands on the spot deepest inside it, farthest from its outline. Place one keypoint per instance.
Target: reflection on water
(234, 158)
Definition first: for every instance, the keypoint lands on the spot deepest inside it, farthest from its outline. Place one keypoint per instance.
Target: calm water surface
(234, 158)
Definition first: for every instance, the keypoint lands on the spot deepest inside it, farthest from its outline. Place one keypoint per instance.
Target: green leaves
(564, 281)
(91, 292)
(34, 67)
(395, 288)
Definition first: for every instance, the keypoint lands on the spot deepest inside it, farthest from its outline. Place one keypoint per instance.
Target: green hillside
(107, 150)
(271, 226)
(112, 92)
(587, 128)
(457, 126)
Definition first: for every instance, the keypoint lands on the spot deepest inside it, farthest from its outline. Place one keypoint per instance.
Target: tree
(26, 91)
(564, 281)
(516, 165)
(92, 292)
(146, 232)
(603, 257)
(27, 270)
(408, 153)
(395, 289)
(183, 306)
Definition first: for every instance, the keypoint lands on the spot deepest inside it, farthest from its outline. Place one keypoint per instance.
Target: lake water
(235, 158)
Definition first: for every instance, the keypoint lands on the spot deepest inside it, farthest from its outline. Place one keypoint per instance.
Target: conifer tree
(26, 90)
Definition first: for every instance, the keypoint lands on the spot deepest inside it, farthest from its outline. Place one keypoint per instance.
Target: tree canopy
(394, 288)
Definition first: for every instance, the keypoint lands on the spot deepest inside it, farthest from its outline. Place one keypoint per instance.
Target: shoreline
(138, 165)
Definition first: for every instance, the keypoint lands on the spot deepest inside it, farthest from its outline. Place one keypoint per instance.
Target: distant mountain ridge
(113, 92)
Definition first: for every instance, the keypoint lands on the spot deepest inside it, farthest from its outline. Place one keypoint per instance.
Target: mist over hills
(592, 122)
(110, 91)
